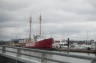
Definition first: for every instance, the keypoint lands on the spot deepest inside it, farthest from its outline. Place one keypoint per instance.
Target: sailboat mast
(30, 21)
(40, 24)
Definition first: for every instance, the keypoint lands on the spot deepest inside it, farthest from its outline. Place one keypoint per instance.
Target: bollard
(43, 59)
(3, 49)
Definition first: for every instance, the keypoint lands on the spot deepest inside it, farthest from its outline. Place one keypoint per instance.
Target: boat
(40, 44)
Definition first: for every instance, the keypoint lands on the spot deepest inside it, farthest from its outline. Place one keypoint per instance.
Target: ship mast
(30, 21)
(40, 19)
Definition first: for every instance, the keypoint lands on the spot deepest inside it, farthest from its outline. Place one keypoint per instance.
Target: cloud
(63, 18)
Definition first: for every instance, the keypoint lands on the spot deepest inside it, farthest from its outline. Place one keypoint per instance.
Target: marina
(47, 31)
(47, 50)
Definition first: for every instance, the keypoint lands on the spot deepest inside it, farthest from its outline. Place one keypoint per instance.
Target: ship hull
(42, 44)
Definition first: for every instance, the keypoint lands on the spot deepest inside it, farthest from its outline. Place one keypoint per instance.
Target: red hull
(43, 44)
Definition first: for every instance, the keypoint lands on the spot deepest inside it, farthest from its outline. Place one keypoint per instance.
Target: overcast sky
(75, 19)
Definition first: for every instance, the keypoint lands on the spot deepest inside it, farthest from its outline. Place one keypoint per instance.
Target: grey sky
(60, 18)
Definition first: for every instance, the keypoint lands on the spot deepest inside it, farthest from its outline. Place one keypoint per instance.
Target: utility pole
(87, 37)
(68, 43)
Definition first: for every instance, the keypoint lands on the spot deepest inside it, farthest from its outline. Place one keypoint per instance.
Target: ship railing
(43, 54)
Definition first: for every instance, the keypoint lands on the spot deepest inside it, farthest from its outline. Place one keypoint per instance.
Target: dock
(77, 50)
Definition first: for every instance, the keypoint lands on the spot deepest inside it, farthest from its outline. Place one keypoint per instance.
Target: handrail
(19, 49)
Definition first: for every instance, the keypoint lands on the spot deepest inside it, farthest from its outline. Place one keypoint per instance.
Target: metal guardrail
(43, 53)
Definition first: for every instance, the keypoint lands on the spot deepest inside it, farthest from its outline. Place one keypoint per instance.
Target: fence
(42, 54)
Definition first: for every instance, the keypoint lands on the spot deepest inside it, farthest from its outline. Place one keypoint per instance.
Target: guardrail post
(93, 60)
(18, 51)
(43, 59)
(3, 49)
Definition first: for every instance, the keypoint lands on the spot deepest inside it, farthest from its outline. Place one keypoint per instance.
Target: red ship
(41, 44)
